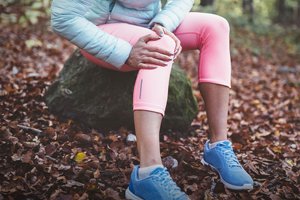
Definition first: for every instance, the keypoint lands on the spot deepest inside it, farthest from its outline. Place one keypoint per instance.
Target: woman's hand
(144, 56)
(160, 30)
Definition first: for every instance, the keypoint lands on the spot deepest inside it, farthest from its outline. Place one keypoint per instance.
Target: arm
(172, 13)
(67, 19)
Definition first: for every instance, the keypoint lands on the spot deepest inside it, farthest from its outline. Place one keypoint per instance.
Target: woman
(127, 35)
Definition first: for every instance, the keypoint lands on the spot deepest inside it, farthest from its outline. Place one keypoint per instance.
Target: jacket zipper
(111, 8)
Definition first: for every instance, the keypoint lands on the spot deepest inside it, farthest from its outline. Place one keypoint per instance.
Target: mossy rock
(102, 98)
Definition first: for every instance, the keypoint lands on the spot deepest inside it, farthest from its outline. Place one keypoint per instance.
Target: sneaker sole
(228, 185)
(130, 196)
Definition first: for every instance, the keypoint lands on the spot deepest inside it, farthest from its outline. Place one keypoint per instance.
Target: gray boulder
(102, 98)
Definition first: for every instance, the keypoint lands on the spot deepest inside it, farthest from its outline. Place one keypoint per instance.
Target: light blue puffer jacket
(76, 20)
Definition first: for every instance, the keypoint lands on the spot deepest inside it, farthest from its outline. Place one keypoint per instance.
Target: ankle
(150, 162)
(214, 139)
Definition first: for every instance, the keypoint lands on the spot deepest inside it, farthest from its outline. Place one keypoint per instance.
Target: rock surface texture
(102, 98)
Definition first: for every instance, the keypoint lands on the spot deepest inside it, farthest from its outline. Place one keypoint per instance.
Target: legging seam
(148, 104)
(186, 33)
(149, 107)
(216, 81)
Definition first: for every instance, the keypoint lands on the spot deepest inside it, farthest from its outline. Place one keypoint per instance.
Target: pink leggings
(207, 32)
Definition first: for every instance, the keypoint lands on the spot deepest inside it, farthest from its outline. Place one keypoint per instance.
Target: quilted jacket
(77, 21)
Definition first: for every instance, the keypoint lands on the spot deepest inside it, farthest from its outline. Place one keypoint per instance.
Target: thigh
(190, 31)
(128, 32)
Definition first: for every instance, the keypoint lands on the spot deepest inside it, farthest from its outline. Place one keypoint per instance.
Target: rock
(287, 69)
(102, 98)
(83, 138)
(131, 138)
(170, 162)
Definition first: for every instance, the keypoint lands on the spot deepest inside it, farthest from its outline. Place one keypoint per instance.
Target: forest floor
(44, 158)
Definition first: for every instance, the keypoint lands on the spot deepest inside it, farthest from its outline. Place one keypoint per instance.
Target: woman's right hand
(145, 56)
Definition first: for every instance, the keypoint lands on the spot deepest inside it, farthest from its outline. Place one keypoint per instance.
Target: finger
(158, 30)
(146, 66)
(159, 50)
(158, 56)
(154, 61)
(178, 46)
(149, 37)
(178, 52)
(177, 41)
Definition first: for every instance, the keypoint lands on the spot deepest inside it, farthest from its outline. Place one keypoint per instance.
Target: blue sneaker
(157, 186)
(223, 160)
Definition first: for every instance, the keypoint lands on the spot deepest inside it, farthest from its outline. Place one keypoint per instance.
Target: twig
(51, 158)
(37, 131)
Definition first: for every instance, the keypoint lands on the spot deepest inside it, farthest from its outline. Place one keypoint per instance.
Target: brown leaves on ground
(43, 158)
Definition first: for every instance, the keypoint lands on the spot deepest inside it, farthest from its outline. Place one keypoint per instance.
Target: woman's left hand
(160, 30)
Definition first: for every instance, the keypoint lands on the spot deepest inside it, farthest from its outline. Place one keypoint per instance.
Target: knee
(165, 42)
(218, 25)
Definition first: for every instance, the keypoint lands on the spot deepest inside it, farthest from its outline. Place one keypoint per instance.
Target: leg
(210, 34)
(149, 102)
(147, 127)
(150, 92)
(216, 99)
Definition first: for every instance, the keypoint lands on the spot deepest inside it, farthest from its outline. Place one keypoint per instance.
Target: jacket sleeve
(172, 13)
(67, 19)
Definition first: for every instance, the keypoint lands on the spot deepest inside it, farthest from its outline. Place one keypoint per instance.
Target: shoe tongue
(156, 170)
